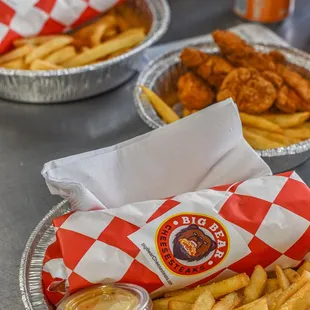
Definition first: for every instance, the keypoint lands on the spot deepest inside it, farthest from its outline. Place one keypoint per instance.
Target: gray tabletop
(31, 135)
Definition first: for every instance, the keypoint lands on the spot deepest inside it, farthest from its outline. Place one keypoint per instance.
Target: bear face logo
(192, 244)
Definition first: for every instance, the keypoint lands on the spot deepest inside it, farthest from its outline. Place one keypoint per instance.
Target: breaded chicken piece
(251, 92)
(288, 100)
(193, 92)
(241, 54)
(296, 81)
(277, 57)
(274, 78)
(214, 70)
(192, 58)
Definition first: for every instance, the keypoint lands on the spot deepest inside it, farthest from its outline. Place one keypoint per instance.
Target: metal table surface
(31, 135)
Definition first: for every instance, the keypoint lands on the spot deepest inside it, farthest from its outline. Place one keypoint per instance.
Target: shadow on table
(287, 162)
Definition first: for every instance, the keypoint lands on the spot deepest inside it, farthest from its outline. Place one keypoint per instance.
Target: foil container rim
(27, 252)
(162, 63)
(153, 35)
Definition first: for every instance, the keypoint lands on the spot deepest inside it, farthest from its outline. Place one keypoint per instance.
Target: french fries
(291, 290)
(229, 285)
(164, 111)
(127, 39)
(113, 34)
(261, 305)
(257, 284)
(303, 267)
(259, 142)
(35, 40)
(271, 286)
(17, 53)
(298, 133)
(300, 300)
(259, 122)
(284, 283)
(277, 137)
(15, 64)
(47, 48)
(61, 55)
(270, 299)
(39, 64)
(228, 294)
(292, 275)
(288, 120)
(101, 27)
(176, 305)
(205, 301)
(229, 302)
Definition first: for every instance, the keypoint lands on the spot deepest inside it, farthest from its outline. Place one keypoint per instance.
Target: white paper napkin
(196, 152)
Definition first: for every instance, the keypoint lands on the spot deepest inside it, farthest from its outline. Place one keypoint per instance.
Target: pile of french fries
(119, 30)
(270, 130)
(266, 131)
(283, 289)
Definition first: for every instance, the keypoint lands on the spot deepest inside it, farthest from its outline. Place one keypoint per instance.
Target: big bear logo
(192, 244)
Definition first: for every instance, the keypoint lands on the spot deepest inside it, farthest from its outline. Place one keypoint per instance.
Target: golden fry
(297, 133)
(36, 40)
(100, 29)
(284, 283)
(271, 286)
(288, 120)
(259, 122)
(303, 267)
(122, 23)
(205, 301)
(125, 40)
(229, 285)
(257, 284)
(269, 298)
(292, 275)
(129, 15)
(15, 64)
(163, 110)
(261, 305)
(39, 64)
(291, 290)
(300, 300)
(47, 48)
(16, 53)
(177, 305)
(277, 137)
(188, 296)
(109, 34)
(229, 302)
(258, 142)
(118, 53)
(176, 292)
(61, 55)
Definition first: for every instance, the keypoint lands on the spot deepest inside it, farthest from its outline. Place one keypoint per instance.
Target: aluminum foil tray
(30, 273)
(81, 82)
(161, 75)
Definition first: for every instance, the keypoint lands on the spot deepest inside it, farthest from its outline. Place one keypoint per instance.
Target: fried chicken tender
(296, 81)
(277, 57)
(274, 78)
(193, 92)
(251, 92)
(241, 54)
(191, 57)
(289, 101)
(214, 70)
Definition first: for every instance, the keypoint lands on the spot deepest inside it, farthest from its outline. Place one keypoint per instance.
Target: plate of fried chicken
(270, 85)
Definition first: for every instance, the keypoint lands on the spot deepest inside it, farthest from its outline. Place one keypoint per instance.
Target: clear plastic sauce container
(108, 297)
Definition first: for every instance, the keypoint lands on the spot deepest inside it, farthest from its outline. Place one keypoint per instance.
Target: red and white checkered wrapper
(20, 18)
(259, 221)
